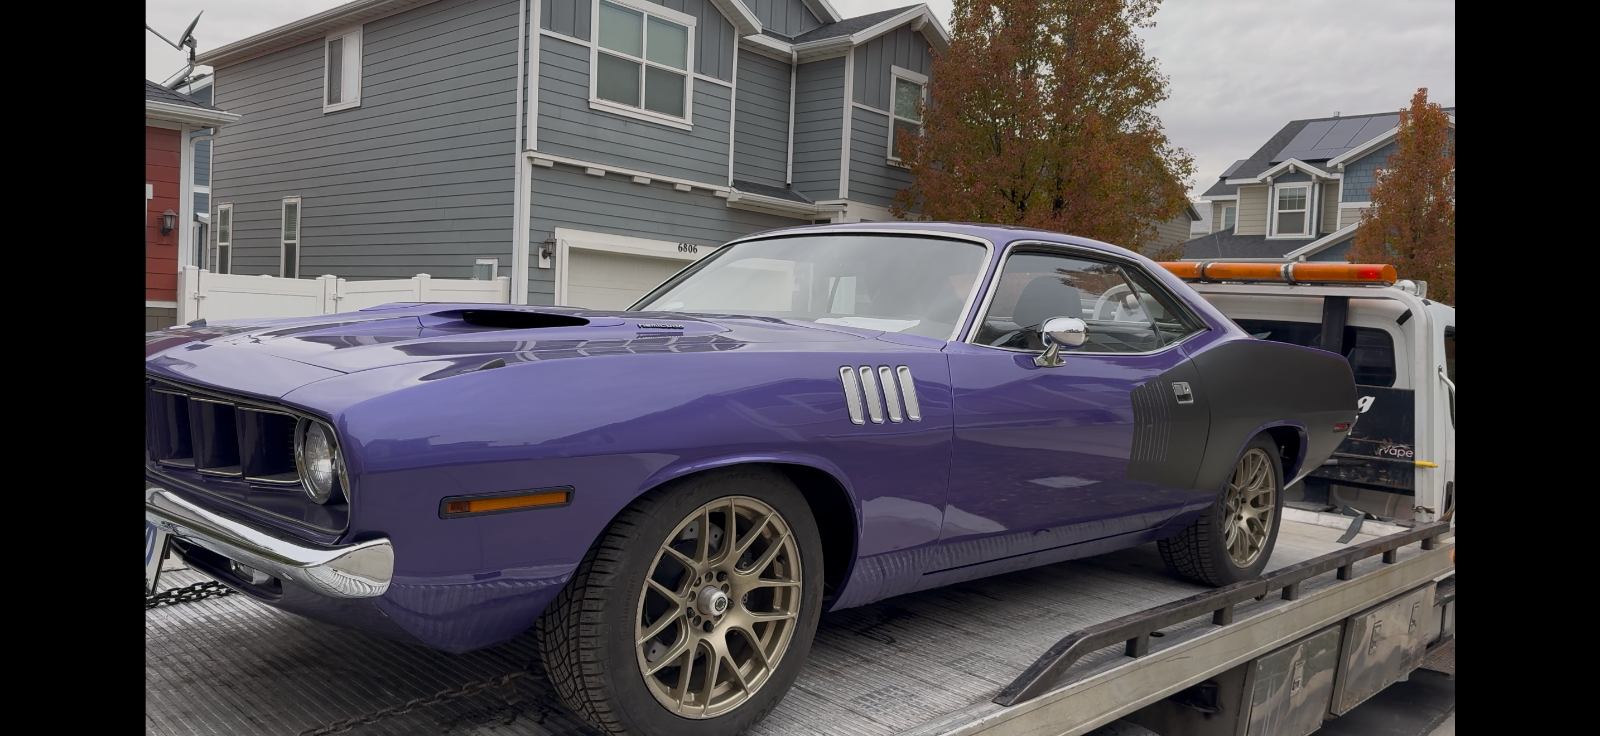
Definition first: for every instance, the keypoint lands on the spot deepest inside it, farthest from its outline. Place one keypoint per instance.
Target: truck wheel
(694, 612)
(1232, 540)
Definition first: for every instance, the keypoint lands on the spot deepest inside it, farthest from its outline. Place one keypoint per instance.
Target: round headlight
(316, 454)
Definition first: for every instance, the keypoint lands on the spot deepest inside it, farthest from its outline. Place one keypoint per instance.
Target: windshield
(915, 285)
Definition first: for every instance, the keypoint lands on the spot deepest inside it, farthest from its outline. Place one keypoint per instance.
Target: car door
(1105, 444)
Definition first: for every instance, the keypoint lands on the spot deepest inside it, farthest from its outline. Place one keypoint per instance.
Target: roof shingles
(156, 93)
(850, 26)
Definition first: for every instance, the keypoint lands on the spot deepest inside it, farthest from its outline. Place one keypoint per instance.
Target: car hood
(368, 339)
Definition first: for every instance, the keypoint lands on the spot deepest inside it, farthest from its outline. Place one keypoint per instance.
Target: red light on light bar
(1341, 427)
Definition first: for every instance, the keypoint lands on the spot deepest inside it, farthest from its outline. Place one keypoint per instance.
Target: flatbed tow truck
(1359, 589)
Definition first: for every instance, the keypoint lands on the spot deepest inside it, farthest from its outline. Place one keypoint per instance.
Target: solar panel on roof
(1233, 168)
(1305, 140)
(1323, 147)
(1341, 134)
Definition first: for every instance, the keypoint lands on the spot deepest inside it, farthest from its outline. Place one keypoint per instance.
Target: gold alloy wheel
(1252, 498)
(719, 607)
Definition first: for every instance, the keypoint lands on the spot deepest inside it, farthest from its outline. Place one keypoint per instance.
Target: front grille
(218, 435)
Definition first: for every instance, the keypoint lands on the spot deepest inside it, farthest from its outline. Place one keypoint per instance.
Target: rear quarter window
(1370, 351)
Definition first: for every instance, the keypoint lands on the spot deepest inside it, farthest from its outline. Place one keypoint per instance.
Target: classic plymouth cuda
(803, 421)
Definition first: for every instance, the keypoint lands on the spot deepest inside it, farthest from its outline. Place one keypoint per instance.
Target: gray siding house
(585, 148)
(1300, 196)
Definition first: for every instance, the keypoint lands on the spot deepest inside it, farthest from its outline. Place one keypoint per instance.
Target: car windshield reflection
(910, 284)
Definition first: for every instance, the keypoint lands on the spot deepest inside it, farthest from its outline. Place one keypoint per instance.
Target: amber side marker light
(1291, 273)
(499, 503)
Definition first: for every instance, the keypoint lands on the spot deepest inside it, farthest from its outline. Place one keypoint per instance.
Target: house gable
(1360, 174)
(786, 18)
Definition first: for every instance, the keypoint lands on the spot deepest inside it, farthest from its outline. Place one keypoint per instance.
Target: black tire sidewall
(1224, 565)
(637, 707)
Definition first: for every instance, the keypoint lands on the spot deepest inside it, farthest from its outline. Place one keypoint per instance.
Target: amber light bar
(1292, 273)
(499, 503)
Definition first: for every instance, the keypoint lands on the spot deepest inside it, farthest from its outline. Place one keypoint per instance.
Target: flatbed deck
(923, 664)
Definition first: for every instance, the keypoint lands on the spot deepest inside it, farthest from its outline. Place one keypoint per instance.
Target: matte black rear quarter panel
(1254, 384)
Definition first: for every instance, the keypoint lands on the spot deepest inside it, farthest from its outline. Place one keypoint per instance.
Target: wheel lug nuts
(708, 627)
(722, 576)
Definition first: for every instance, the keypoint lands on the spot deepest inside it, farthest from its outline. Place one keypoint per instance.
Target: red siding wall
(161, 172)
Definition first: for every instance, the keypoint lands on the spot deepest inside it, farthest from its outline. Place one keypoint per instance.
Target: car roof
(1000, 235)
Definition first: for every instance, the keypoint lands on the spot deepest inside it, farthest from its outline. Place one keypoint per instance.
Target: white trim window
(908, 90)
(289, 242)
(641, 62)
(486, 269)
(1291, 210)
(341, 77)
(1230, 215)
(222, 260)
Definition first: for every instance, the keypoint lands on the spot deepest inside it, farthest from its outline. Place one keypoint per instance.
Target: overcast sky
(1240, 69)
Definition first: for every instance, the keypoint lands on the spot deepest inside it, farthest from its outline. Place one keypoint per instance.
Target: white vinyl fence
(206, 295)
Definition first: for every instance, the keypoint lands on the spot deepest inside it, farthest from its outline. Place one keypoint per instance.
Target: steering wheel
(1104, 307)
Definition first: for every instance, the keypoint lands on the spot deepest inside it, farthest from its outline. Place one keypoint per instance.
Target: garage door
(600, 280)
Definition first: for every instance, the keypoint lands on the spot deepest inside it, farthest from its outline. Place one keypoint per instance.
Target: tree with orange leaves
(1042, 114)
(1412, 220)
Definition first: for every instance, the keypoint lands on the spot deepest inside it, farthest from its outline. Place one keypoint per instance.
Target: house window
(341, 77)
(1290, 213)
(1228, 217)
(906, 121)
(289, 253)
(641, 60)
(486, 269)
(222, 262)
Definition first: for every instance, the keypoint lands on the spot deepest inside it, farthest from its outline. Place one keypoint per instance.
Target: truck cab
(1398, 461)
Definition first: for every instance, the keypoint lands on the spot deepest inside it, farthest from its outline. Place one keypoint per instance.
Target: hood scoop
(498, 319)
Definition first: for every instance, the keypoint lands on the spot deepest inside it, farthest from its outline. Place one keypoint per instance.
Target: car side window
(1120, 315)
(1172, 322)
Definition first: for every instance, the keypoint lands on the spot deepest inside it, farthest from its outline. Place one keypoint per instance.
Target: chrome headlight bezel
(339, 483)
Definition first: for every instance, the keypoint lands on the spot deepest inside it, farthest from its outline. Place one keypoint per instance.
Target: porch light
(547, 249)
(169, 220)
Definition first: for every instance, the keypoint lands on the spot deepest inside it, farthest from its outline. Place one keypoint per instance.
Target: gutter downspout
(188, 223)
(794, 75)
(519, 196)
(185, 194)
(733, 111)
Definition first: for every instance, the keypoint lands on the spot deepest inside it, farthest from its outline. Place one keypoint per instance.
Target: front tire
(693, 612)
(1234, 538)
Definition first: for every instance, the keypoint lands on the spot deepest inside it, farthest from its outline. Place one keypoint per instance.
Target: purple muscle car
(805, 420)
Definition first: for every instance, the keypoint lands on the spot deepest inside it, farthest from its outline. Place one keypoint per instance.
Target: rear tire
(1234, 538)
(639, 642)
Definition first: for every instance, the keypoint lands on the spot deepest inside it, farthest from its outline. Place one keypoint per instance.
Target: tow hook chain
(198, 591)
(443, 696)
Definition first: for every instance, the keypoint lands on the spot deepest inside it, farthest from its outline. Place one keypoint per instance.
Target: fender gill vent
(869, 386)
(870, 392)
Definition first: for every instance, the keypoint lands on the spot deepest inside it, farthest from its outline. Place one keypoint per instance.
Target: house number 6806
(687, 248)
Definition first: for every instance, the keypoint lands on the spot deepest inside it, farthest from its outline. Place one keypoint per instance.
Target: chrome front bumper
(352, 571)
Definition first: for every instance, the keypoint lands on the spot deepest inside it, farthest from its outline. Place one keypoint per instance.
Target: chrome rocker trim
(352, 571)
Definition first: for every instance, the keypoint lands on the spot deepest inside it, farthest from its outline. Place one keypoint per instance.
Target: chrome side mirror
(1059, 332)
